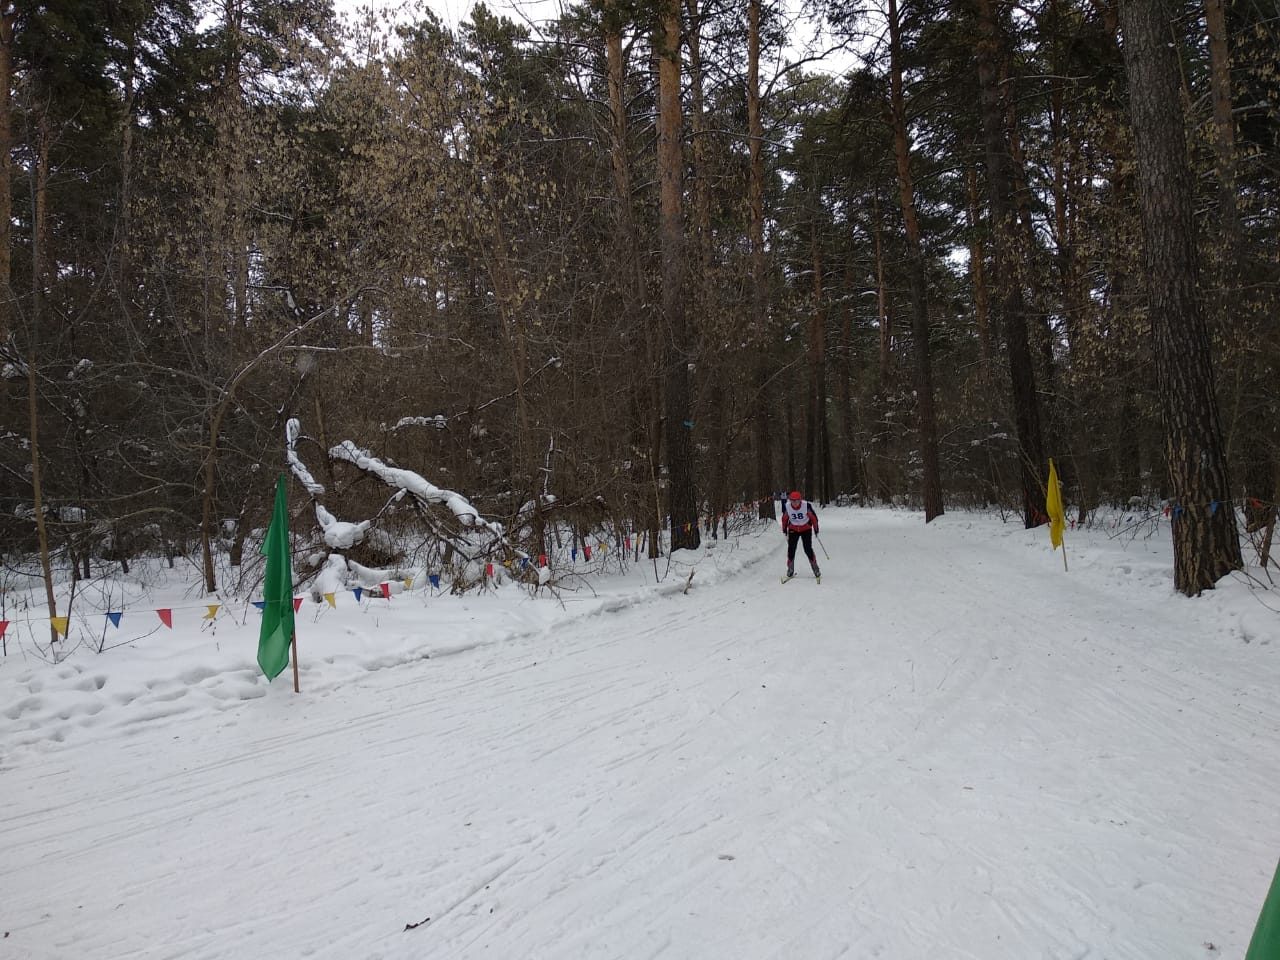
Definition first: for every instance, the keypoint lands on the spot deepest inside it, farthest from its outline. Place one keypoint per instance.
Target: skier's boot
(791, 571)
(817, 574)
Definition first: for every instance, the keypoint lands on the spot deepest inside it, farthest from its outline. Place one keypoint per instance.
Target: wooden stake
(1064, 555)
(293, 645)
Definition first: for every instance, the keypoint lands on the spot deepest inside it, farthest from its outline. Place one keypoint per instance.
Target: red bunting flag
(542, 559)
(626, 542)
(488, 569)
(4, 625)
(166, 617)
(586, 551)
(386, 590)
(297, 604)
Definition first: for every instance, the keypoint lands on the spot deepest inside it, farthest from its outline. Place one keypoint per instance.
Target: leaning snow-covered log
(417, 487)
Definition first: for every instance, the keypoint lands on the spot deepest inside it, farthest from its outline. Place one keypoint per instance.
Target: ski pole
(821, 544)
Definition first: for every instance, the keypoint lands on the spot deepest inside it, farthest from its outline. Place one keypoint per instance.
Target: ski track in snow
(947, 750)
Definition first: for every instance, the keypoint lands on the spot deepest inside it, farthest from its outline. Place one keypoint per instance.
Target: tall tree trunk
(885, 369)
(854, 481)
(682, 497)
(8, 15)
(1253, 435)
(978, 273)
(926, 417)
(755, 239)
(124, 244)
(815, 419)
(1223, 127)
(39, 253)
(1206, 545)
(629, 252)
(1007, 281)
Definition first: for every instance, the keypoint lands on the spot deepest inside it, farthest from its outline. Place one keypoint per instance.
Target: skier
(800, 523)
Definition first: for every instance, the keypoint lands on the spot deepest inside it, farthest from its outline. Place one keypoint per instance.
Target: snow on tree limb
(340, 534)
(440, 421)
(416, 486)
(292, 431)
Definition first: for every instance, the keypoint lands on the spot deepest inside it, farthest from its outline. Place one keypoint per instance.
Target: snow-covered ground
(949, 749)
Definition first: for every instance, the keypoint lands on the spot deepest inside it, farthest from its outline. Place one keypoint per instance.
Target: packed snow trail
(949, 750)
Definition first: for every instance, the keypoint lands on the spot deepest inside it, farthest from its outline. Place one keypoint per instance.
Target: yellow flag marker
(1053, 507)
(331, 600)
(213, 609)
(60, 625)
(408, 583)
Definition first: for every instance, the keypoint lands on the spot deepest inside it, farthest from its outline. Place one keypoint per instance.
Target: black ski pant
(794, 537)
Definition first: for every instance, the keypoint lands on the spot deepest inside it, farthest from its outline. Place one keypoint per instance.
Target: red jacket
(799, 519)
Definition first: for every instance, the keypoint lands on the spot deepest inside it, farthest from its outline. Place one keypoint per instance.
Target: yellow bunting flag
(331, 600)
(408, 583)
(60, 625)
(213, 609)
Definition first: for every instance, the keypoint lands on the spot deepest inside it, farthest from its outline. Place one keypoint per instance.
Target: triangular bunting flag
(524, 563)
(386, 590)
(586, 552)
(358, 592)
(114, 616)
(60, 625)
(488, 569)
(542, 559)
(260, 604)
(331, 600)
(435, 580)
(212, 611)
(408, 583)
(4, 625)
(297, 604)
(166, 616)
(573, 554)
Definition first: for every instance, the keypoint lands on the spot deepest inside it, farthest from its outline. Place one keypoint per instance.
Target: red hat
(796, 495)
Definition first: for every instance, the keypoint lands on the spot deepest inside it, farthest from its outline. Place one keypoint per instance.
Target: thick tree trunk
(682, 498)
(926, 417)
(1010, 299)
(1206, 545)
(755, 240)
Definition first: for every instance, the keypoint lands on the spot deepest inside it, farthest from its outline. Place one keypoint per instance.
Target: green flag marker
(1265, 944)
(277, 591)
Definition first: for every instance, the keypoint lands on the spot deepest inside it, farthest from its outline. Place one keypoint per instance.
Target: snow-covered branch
(292, 431)
(416, 486)
(440, 421)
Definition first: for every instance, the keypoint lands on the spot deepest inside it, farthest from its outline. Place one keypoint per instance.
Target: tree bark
(8, 16)
(1206, 545)
(629, 252)
(755, 241)
(682, 499)
(39, 252)
(1007, 282)
(926, 417)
